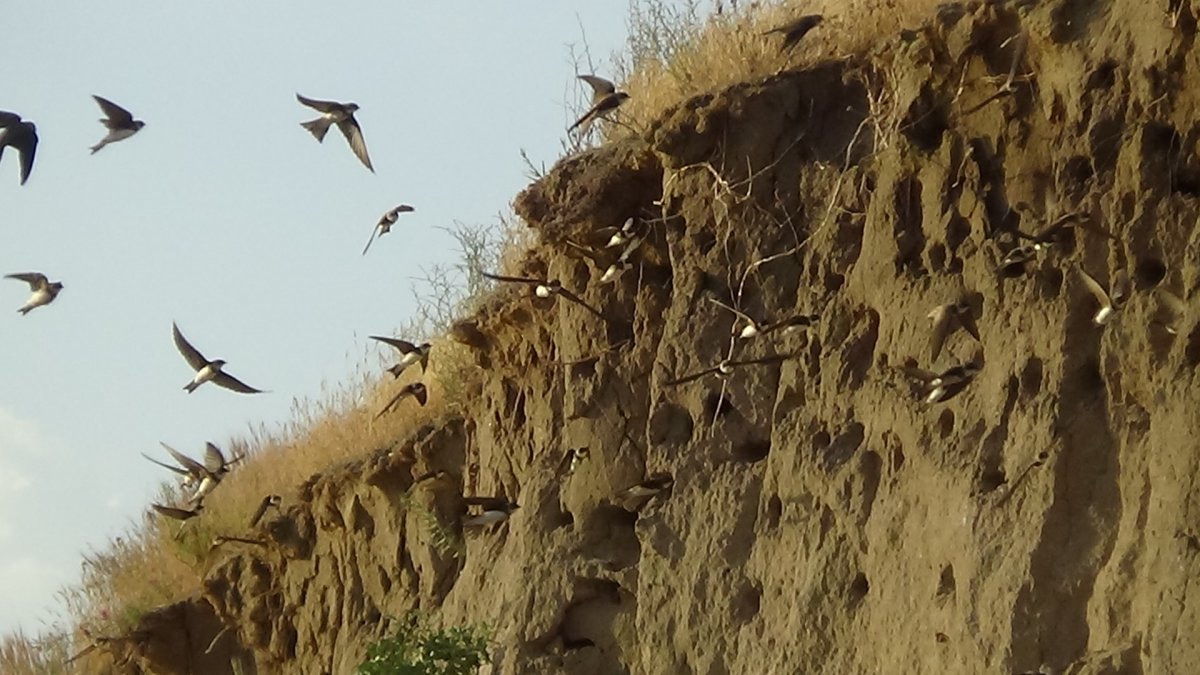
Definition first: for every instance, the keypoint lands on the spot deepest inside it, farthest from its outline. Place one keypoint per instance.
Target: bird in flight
(44, 290)
(794, 31)
(1111, 300)
(410, 354)
(545, 288)
(341, 114)
(755, 328)
(208, 371)
(491, 510)
(20, 135)
(947, 319)
(416, 390)
(118, 121)
(605, 99)
(386, 221)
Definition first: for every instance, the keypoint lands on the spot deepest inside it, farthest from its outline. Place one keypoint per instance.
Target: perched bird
(1111, 300)
(118, 121)
(411, 354)
(492, 510)
(631, 229)
(20, 135)
(341, 114)
(634, 497)
(1171, 312)
(270, 501)
(947, 319)
(207, 371)
(754, 328)
(415, 389)
(178, 513)
(545, 288)
(795, 30)
(605, 99)
(725, 368)
(572, 458)
(386, 221)
(943, 386)
(44, 290)
(1013, 263)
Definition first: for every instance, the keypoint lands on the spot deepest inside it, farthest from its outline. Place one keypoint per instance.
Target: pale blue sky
(225, 215)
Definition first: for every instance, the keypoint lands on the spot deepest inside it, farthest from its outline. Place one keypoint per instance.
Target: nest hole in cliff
(751, 451)
(1102, 77)
(1051, 282)
(990, 480)
(1031, 378)
(1192, 351)
(1105, 139)
(925, 121)
(839, 450)
(671, 424)
(946, 582)
(907, 232)
(609, 534)
(774, 511)
(945, 423)
(704, 240)
(957, 231)
(859, 588)
(746, 603)
(1149, 272)
(718, 404)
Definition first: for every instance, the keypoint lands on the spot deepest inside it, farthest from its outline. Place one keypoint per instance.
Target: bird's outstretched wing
(689, 378)
(190, 354)
(317, 104)
(35, 280)
(403, 345)
(600, 87)
(358, 144)
(117, 116)
(231, 383)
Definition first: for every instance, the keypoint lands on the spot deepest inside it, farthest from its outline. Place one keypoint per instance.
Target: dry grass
(674, 51)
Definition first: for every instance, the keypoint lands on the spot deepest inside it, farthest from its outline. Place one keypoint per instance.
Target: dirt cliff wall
(822, 518)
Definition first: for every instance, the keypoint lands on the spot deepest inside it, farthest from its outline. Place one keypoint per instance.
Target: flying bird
(205, 476)
(208, 371)
(1059, 230)
(755, 328)
(725, 368)
(545, 288)
(1109, 300)
(178, 513)
(118, 121)
(795, 30)
(947, 319)
(20, 135)
(341, 114)
(1172, 311)
(605, 99)
(943, 386)
(386, 221)
(416, 390)
(411, 354)
(44, 290)
(270, 501)
(634, 497)
(492, 510)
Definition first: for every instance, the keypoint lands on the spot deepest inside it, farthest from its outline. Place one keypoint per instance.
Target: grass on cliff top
(675, 50)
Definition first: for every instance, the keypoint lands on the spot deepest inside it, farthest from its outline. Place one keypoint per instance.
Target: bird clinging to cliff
(546, 288)
(20, 135)
(946, 320)
(1110, 300)
(207, 371)
(491, 510)
(794, 31)
(410, 354)
(386, 221)
(754, 328)
(341, 114)
(634, 497)
(44, 290)
(943, 386)
(605, 99)
(416, 390)
(118, 121)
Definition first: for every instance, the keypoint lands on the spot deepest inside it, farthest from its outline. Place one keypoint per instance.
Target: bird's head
(217, 364)
(138, 124)
(352, 107)
(621, 96)
(57, 286)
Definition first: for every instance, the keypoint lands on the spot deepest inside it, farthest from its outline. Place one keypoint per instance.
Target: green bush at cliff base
(418, 649)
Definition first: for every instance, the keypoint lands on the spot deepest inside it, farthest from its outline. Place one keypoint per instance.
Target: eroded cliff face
(823, 518)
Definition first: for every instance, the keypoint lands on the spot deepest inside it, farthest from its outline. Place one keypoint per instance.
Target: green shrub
(419, 649)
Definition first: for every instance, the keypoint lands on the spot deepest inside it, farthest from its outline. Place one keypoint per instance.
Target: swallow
(415, 389)
(1013, 263)
(205, 476)
(20, 135)
(188, 480)
(573, 458)
(492, 510)
(605, 99)
(754, 328)
(207, 371)
(178, 513)
(1111, 300)
(118, 121)
(794, 31)
(545, 288)
(946, 320)
(341, 114)
(386, 221)
(267, 502)
(634, 497)
(411, 354)
(725, 368)
(943, 386)
(1172, 311)
(1059, 230)
(631, 229)
(44, 290)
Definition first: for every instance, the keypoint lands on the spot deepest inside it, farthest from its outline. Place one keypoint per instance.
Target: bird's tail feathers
(190, 387)
(318, 127)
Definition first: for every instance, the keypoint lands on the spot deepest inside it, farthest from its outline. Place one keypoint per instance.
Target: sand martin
(795, 30)
(631, 229)
(20, 135)
(947, 319)
(207, 371)
(386, 221)
(491, 510)
(118, 121)
(411, 354)
(270, 501)
(415, 389)
(634, 497)
(605, 99)
(1111, 300)
(205, 476)
(725, 368)
(341, 114)
(178, 513)
(754, 328)
(44, 290)
(1059, 230)
(188, 480)
(546, 288)
(943, 386)
(1013, 263)
(1172, 311)
(572, 458)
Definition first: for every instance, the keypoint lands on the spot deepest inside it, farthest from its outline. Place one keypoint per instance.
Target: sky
(225, 216)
